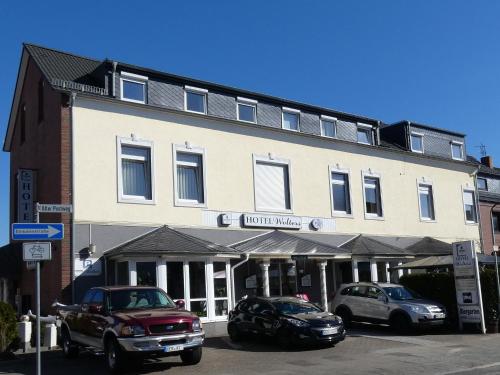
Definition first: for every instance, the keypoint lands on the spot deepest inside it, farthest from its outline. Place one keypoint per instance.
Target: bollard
(50, 336)
(24, 329)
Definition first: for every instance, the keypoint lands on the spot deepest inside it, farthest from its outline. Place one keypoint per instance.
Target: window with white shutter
(272, 186)
(470, 207)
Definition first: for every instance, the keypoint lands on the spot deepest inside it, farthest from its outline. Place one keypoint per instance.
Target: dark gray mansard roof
(69, 72)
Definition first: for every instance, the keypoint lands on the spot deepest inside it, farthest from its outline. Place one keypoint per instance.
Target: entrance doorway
(282, 278)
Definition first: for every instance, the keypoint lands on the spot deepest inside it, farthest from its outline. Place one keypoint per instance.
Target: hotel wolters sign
(466, 282)
(272, 221)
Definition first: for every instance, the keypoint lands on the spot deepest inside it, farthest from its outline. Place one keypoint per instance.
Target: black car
(290, 320)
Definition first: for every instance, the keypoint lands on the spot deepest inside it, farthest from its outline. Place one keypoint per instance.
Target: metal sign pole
(38, 353)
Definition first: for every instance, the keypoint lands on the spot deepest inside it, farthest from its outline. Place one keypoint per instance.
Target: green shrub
(8, 326)
(490, 294)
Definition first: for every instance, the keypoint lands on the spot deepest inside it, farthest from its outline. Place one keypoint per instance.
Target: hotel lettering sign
(25, 195)
(272, 221)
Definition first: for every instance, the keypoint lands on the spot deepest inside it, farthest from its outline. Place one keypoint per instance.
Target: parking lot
(367, 350)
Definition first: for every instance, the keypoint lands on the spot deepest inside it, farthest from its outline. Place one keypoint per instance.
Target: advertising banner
(467, 283)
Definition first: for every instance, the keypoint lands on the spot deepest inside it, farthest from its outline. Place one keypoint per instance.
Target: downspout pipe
(72, 100)
(113, 79)
(233, 296)
(476, 202)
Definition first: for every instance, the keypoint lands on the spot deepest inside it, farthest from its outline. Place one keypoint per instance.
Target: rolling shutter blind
(468, 198)
(271, 186)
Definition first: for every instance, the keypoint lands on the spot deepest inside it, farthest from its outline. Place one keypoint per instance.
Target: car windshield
(131, 299)
(400, 293)
(295, 307)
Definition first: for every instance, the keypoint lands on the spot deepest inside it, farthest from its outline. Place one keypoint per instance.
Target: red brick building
(488, 185)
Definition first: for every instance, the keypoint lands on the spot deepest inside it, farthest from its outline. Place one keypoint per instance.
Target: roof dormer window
(133, 87)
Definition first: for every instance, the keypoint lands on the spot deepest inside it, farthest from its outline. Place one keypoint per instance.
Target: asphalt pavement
(367, 350)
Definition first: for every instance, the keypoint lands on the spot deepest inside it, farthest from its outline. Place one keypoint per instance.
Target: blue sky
(436, 63)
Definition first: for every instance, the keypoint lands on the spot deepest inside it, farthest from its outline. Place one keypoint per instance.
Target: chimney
(488, 161)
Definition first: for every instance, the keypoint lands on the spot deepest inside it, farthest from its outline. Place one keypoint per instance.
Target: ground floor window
(382, 272)
(364, 272)
(175, 280)
(220, 288)
(122, 273)
(146, 273)
(197, 288)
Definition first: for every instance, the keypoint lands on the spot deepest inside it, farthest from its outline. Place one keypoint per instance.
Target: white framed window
(457, 150)
(328, 126)
(247, 110)
(133, 87)
(365, 134)
(290, 119)
(426, 201)
(135, 171)
(340, 191)
(470, 209)
(372, 196)
(482, 184)
(417, 142)
(272, 184)
(189, 176)
(195, 99)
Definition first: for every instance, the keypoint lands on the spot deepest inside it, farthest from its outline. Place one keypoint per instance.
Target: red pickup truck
(130, 324)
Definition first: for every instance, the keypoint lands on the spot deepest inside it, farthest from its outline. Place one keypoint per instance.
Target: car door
(78, 322)
(376, 307)
(356, 300)
(96, 318)
(264, 318)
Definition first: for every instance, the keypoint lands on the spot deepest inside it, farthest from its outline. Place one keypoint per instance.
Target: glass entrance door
(282, 278)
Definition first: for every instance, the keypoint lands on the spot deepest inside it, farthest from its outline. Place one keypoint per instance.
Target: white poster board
(467, 283)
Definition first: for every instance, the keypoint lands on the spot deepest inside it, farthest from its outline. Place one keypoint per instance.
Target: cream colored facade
(229, 149)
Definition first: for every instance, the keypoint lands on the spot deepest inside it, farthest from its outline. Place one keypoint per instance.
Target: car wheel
(283, 338)
(191, 357)
(115, 360)
(400, 323)
(234, 332)
(346, 315)
(70, 350)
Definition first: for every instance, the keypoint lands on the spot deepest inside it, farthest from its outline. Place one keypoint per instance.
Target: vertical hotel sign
(25, 195)
(467, 283)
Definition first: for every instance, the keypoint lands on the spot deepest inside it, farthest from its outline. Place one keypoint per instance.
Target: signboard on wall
(467, 283)
(251, 282)
(88, 267)
(25, 195)
(272, 221)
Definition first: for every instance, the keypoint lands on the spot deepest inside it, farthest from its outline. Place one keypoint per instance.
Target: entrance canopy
(441, 261)
(168, 241)
(278, 243)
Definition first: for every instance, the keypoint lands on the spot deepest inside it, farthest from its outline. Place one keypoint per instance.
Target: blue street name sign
(35, 232)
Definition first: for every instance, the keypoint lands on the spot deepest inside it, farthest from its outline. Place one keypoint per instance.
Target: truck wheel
(401, 323)
(191, 357)
(115, 360)
(70, 350)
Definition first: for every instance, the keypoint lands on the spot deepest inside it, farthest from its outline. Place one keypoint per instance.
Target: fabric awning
(440, 261)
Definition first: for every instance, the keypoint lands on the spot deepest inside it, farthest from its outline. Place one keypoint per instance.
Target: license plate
(439, 316)
(173, 348)
(330, 331)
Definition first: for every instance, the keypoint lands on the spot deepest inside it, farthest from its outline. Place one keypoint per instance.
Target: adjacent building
(212, 192)
(488, 186)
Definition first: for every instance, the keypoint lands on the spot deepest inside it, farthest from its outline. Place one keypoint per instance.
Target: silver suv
(386, 303)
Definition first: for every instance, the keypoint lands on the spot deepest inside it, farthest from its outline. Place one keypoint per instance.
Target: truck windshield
(401, 294)
(130, 299)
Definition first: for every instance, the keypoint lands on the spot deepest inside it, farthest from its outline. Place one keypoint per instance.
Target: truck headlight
(197, 325)
(135, 330)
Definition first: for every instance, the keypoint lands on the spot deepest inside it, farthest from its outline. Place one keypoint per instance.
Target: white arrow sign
(50, 231)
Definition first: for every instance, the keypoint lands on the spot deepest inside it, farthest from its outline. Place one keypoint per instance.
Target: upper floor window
(328, 126)
(457, 152)
(133, 87)
(290, 119)
(341, 197)
(135, 171)
(373, 199)
(426, 202)
(496, 221)
(195, 99)
(470, 206)
(189, 176)
(417, 142)
(482, 183)
(247, 110)
(365, 134)
(272, 184)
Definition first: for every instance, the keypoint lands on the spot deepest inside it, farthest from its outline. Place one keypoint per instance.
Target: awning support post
(265, 276)
(322, 280)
